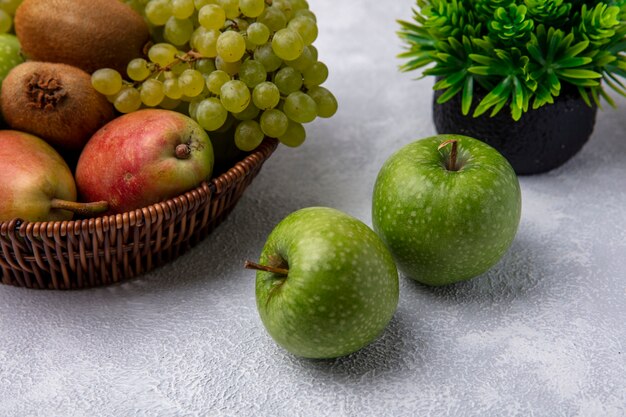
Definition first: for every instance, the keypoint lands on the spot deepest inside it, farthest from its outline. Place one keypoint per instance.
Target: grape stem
(188, 58)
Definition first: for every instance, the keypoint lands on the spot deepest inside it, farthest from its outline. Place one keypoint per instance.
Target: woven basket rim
(214, 186)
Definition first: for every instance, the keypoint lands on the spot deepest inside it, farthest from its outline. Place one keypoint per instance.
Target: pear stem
(451, 163)
(84, 209)
(265, 268)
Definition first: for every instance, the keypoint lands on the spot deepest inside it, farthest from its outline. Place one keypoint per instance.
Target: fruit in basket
(448, 208)
(326, 285)
(143, 158)
(55, 102)
(238, 58)
(35, 182)
(86, 34)
(7, 11)
(9, 57)
(9, 54)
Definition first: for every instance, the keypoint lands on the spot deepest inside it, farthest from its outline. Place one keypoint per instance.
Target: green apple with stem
(326, 285)
(447, 207)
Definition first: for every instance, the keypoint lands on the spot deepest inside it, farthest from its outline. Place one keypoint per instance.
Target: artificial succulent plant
(521, 52)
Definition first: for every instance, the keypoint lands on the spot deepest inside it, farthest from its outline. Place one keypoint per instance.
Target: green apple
(330, 285)
(448, 208)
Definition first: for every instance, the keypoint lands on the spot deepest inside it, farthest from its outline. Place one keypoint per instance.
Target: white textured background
(542, 334)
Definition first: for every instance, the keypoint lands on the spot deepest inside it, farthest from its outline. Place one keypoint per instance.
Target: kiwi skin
(55, 102)
(88, 34)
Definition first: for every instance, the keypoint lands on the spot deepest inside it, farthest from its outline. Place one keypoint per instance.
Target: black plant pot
(541, 140)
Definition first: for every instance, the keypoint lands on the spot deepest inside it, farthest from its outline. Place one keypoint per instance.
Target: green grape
(211, 114)
(205, 66)
(228, 124)
(288, 80)
(172, 89)
(158, 12)
(241, 24)
(212, 16)
(191, 82)
(285, 7)
(127, 100)
(235, 96)
(252, 8)
(138, 69)
(248, 135)
(182, 9)
(305, 13)
(135, 4)
(231, 68)
(6, 22)
(231, 7)
(152, 92)
(315, 75)
(201, 3)
(273, 18)
(266, 95)
(231, 46)
(258, 33)
(249, 45)
(178, 31)
(287, 44)
(251, 112)
(162, 54)
(193, 108)
(298, 5)
(274, 123)
(106, 81)
(252, 73)
(205, 41)
(304, 61)
(266, 56)
(169, 103)
(325, 101)
(10, 6)
(314, 53)
(306, 28)
(300, 108)
(179, 67)
(216, 80)
(294, 136)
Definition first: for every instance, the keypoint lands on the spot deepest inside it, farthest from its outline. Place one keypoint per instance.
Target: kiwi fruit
(88, 34)
(55, 102)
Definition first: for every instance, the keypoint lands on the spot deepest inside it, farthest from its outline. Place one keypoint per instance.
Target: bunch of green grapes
(243, 64)
(7, 11)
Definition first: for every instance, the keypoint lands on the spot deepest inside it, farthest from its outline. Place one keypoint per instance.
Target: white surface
(541, 334)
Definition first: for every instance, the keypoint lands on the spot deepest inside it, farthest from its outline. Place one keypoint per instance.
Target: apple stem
(183, 151)
(451, 163)
(272, 269)
(84, 209)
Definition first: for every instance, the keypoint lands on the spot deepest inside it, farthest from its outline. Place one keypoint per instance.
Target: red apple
(35, 183)
(143, 158)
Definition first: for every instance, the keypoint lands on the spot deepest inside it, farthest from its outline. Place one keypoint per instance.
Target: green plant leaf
(449, 93)
(520, 51)
(573, 62)
(578, 73)
(468, 92)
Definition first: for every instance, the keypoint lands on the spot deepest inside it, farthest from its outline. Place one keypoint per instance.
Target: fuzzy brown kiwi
(88, 34)
(55, 102)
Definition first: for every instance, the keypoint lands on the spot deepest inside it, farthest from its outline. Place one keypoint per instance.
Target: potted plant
(525, 76)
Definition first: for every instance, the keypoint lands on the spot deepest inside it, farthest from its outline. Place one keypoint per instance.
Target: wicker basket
(105, 250)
